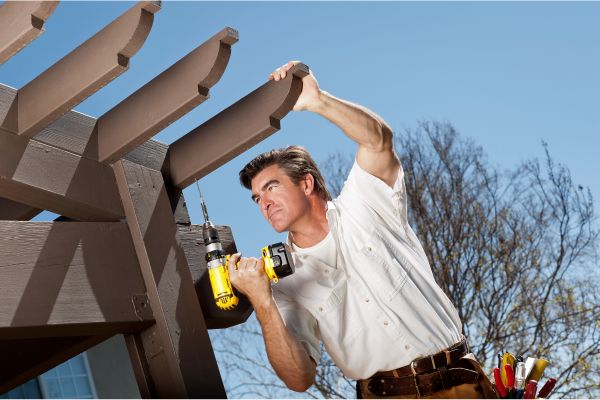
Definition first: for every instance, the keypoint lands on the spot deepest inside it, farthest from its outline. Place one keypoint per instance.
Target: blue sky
(506, 74)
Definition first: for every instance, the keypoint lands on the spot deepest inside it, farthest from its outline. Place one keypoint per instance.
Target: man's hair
(294, 161)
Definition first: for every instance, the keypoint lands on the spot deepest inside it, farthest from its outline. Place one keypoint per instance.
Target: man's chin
(279, 227)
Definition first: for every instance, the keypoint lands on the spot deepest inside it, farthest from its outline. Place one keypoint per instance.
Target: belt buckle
(412, 367)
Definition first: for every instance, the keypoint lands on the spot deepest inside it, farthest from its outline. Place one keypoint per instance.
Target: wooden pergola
(123, 257)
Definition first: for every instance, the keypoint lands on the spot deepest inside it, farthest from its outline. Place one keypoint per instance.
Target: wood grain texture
(177, 350)
(161, 101)
(98, 61)
(20, 23)
(45, 177)
(234, 130)
(14, 211)
(70, 133)
(68, 278)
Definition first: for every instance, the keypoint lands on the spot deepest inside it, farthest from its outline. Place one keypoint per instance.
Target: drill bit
(202, 203)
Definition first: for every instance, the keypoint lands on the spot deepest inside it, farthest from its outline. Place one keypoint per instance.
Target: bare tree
(516, 251)
(247, 373)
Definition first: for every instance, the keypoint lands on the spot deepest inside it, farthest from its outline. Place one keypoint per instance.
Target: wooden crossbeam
(207, 147)
(24, 359)
(234, 130)
(97, 61)
(73, 132)
(14, 211)
(161, 101)
(45, 177)
(69, 278)
(175, 355)
(49, 248)
(20, 23)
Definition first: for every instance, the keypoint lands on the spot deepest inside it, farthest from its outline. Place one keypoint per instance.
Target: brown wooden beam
(45, 177)
(14, 211)
(24, 359)
(177, 350)
(234, 130)
(161, 101)
(20, 23)
(71, 133)
(97, 62)
(69, 278)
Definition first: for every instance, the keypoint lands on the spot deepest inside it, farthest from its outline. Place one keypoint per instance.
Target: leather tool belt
(425, 376)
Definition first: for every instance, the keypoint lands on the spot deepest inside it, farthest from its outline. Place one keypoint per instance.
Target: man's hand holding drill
(248, 276)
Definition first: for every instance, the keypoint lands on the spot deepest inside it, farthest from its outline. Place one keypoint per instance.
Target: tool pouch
(487, 388)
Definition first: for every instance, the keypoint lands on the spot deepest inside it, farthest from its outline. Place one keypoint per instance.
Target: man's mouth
(271, 213)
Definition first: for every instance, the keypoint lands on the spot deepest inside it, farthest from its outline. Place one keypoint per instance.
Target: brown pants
(483, 389)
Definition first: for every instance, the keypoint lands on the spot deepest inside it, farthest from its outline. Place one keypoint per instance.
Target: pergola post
(123, 258)
(174, 357)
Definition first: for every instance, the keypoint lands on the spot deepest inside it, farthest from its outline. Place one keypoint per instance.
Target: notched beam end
(98, 61)
(21, 23)
(163, 100)
(146, 18)
(44, 9)
(37, 22)
(230, 35)
(204, 92)
(297, 72)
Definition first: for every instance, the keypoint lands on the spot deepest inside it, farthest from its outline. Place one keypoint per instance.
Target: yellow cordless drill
(277, 260)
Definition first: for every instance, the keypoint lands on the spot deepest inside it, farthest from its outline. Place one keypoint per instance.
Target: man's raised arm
(374, 137)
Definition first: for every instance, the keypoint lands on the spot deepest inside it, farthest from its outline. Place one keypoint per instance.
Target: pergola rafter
(247, 122)
(119, 194)
(98, 61)
(162, 100)
(21, 23)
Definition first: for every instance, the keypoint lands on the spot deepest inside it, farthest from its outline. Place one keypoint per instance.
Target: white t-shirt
(377, 306)
(324, 251)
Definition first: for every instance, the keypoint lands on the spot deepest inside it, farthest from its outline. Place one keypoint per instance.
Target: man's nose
(265, 203)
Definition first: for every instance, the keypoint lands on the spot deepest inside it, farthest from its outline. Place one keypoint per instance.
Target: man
(363, 285)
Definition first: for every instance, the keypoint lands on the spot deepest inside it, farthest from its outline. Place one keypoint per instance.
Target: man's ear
(308, 184)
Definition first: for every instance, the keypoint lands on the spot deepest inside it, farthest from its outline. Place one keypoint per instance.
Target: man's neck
(312, 228)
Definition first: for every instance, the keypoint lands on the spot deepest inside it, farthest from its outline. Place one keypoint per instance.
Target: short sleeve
(300, 322)
(361, 187)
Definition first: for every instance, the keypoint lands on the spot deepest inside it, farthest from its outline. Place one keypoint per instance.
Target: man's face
(281, 202)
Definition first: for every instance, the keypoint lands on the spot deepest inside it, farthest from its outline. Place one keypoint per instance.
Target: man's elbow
(383, 137)
(303, 380)
(301, 385)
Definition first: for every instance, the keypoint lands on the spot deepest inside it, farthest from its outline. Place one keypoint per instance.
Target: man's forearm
(375, 153)
(359, 123)
(287, 356)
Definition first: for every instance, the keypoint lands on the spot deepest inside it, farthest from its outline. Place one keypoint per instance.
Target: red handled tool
(531, 389)
(547, 388)
(510, 379)
(499, 385)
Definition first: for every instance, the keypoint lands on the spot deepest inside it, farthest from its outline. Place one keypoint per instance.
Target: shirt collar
(329, 214)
